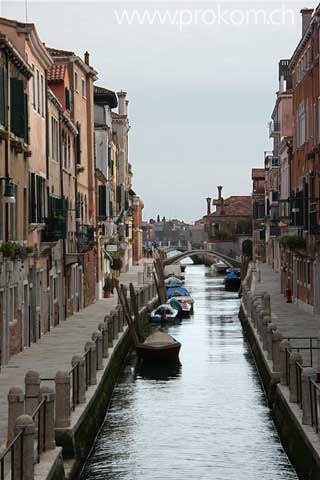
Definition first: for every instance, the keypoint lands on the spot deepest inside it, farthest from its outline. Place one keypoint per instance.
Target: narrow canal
(209, 420)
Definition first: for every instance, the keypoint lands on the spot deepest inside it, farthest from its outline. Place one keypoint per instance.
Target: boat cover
(159, 338)
(183, 292)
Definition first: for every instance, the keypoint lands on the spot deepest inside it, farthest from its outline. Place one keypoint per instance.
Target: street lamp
(9, 193)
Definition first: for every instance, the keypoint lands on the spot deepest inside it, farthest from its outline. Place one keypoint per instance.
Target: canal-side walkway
(54, 350)
(285, 343)
(289, 318)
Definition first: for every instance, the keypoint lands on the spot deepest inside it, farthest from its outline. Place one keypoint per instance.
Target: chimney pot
(208, 199)
(306, 18)
(122, 102)
(87, 58)
(220, 187)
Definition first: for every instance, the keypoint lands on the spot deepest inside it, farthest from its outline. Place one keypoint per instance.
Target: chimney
(220, 187)
(122, 103)
(208, 205)
(87, 58)
(306, 18)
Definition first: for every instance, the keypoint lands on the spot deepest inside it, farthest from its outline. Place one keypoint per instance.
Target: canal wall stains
(299, 439)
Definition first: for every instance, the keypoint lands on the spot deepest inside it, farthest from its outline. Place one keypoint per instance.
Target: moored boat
(232, 280)
(183, 296)
(220, 267)
(173, 282)
(165, 313)
(159, 347)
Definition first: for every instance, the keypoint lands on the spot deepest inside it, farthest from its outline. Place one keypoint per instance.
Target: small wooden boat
(159, 347)
(232, 280)
(220, 267)
(164, 314)
(184, 308)
(173, 282)
(181, 294)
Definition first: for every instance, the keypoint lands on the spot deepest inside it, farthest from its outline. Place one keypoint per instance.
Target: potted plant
(107, 287)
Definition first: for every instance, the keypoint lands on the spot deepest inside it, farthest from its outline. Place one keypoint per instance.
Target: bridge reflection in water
(207, 419)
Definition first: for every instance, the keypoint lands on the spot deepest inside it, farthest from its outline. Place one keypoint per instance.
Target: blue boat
(232, 280)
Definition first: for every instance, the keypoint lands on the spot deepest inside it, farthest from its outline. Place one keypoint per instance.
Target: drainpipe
(63, 240)
(6, 158)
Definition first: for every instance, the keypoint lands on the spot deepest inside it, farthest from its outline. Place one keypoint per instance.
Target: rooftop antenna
(26, 10)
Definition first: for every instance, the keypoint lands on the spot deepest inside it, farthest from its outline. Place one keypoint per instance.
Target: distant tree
(163, 219)
(158, 218)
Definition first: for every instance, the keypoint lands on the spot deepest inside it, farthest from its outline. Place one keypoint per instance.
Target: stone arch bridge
(231, 262)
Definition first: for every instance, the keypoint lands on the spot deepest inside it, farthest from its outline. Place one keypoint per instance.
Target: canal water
(208, 420)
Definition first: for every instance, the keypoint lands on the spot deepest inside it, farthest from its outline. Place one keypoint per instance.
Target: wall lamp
(9, 193)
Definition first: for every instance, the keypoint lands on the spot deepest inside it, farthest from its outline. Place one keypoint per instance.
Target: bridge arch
(231, 262)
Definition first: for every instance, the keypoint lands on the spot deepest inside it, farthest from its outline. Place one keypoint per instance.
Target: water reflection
(208, 419)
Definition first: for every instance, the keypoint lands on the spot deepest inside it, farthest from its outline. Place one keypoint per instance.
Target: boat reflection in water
(158, 372)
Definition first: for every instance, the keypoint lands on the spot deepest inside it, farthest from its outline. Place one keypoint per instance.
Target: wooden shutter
(32, 198)
(78, 144)
(3, 97)
(18, 110)
(102, 201)
(26, 119)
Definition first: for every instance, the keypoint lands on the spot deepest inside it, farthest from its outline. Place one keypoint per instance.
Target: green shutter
(32, 198)
(102, 202)
(78, 144)
(26, 119)
(18, 110)
(3, 97)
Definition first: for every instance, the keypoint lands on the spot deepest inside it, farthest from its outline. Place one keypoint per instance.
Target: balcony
(274, 128)
(85, 238)
(55, 229)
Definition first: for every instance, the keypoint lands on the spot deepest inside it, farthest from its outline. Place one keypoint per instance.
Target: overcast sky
(201, 78)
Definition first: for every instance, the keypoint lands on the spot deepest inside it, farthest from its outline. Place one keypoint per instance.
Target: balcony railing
(85, 238)
(274, 127)
(55, 229)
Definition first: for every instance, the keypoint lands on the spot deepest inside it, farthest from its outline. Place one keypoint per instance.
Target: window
(3, 97)
(13, 303)
(302, 124)
(34, 88)
(38, 91)
(42, 96)
(83, 85)
(13, 209)
(19, 109)
(54, 139)
(75, 81)
(37, 198)
(102, 202)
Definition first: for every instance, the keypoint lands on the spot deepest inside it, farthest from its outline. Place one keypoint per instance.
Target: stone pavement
(55, 349)
(290, 320)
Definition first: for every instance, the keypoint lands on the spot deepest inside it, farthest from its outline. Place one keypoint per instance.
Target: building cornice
(15, 57)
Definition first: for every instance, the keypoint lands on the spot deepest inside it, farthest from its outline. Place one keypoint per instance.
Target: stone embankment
(285, 344)
(51, 421)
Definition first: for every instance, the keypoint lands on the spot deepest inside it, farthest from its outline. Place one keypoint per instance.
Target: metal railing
(75, 380)
(306, 345)
(39, 417)
(87, 363)
(314, 398)
(10, 450)
(299, 369)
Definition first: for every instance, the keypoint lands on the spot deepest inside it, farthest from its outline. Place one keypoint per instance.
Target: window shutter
(17, 99)
(26, 119)
(111, 209)
(3, 97)
(32, 198)
(78, 144)
(102, 201)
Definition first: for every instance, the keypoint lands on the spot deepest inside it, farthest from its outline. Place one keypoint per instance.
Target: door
(26, 318)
